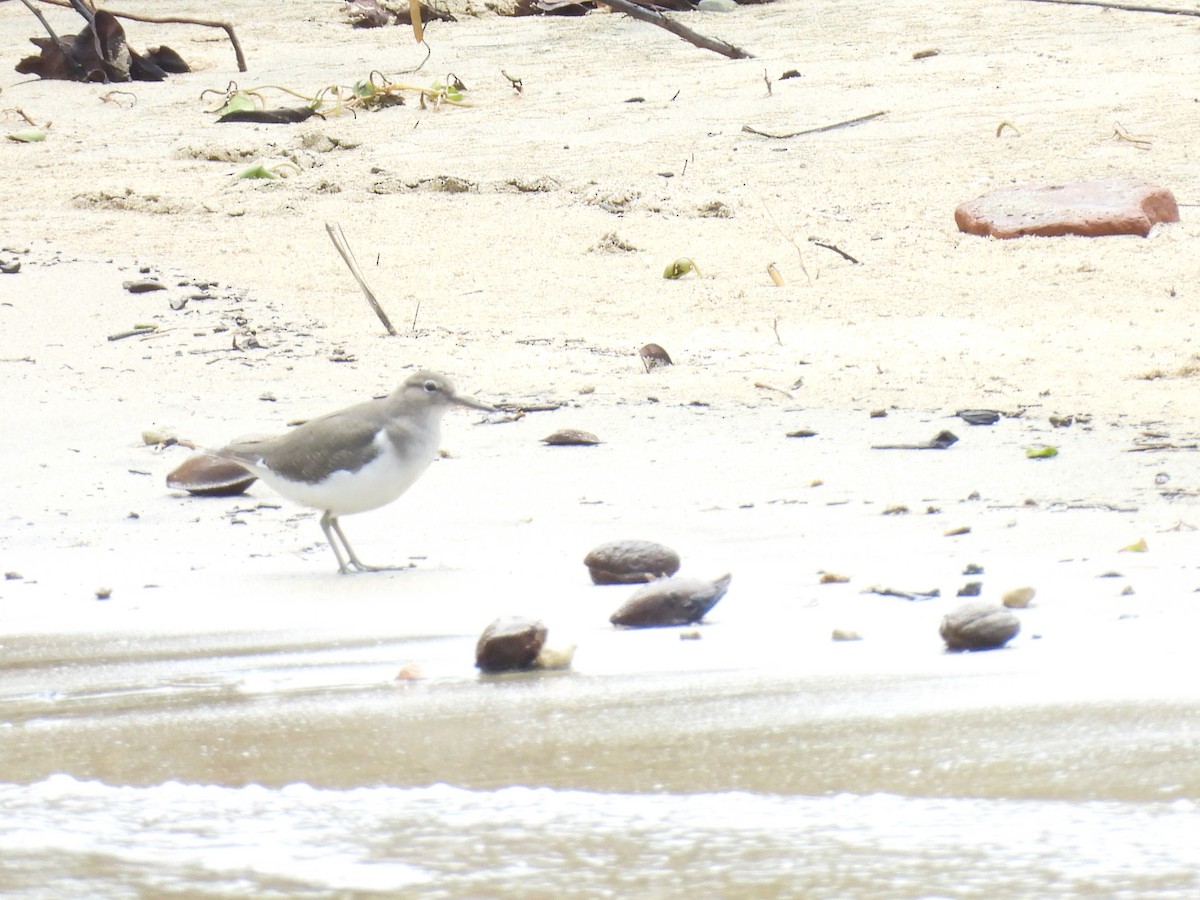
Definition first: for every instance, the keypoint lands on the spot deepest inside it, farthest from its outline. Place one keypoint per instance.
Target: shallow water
(63, 837)
(237, 767)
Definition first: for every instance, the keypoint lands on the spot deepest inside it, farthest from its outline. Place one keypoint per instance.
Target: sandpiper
(356, 459)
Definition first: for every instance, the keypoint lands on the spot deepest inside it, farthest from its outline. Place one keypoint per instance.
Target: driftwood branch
(168, 20)
(644, 15)
(343, 247)
(58, 42)
(792, 134)
(1127, 7)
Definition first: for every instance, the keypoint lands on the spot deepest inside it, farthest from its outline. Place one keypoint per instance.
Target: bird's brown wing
(339, 440)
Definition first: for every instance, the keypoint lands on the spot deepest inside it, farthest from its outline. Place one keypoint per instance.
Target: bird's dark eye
(431, 387)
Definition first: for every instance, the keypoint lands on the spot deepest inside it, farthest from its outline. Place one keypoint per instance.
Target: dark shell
(282, 116)
(979, 626)
(630, 562)
(571, 437)
(979, 416)
(672, 601)
(206, 475)
(509, 644)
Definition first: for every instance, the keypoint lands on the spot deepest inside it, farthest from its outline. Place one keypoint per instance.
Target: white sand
(518, 305)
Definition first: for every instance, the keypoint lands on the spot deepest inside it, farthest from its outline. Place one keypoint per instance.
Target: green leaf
(258, 170)
(237, 102)
(27, 135)
(1044, 451)
(680, 267)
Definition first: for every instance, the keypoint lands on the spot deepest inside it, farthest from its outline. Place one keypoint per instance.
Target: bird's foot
(355, 567)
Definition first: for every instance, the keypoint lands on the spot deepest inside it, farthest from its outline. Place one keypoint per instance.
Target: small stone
(13, 576)
(555, 657)
(672, 601)
(979, 626)
(1087, 208)
(971, 589)
(155, 436)
(630, 562)
(143, 287)
(509, 644)
(1019, 598)
(103, 593)
(692, 634)
(973, 569)
(843, 634)
(833, 578)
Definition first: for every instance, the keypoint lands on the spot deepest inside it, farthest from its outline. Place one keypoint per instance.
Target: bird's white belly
(376, 484)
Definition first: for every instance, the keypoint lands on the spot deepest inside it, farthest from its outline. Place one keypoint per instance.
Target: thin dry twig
(789, 239)
(160, 20)
(836, 249)
(1120, 134)
(704, 43)
(136, 331)
(343, 247)
(763, 386)
(792, 134)
(1127, 7)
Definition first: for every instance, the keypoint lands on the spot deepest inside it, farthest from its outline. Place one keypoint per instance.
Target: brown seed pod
(630, 562)
(671, 601)
(654, 356)
(206, 475)
(979, 626)
(509, 644)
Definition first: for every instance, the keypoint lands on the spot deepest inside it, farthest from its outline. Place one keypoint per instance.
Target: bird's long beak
(463, 400)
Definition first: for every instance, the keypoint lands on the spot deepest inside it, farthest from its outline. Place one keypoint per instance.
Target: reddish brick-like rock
(1087, 208)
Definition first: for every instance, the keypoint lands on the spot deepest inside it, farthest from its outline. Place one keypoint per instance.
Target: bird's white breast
(376, 484)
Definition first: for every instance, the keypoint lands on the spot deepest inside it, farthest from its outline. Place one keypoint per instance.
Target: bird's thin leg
(354, 560)
(329, 525)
